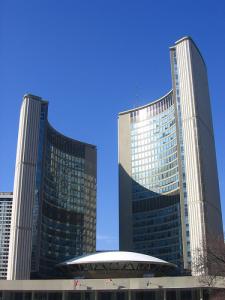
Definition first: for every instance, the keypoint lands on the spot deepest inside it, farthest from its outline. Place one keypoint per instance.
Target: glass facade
(64, 212)
(5, 222)
(154, 148)
(38, 189)
(155, 181)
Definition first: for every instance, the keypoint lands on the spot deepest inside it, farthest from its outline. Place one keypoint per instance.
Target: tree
(209, 264)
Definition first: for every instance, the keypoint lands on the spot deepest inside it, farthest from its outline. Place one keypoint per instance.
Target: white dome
(116, 256)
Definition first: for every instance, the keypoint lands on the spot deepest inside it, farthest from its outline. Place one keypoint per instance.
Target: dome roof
(116, 256)
(115, 264)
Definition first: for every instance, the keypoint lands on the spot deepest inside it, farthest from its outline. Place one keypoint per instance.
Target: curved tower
(54, 206)
(168, 183)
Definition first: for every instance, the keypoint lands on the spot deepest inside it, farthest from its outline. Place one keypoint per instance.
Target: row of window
(153, 123)
(153, 165)
(155, 146)
(152, 145)
(156, 171)
(153, 109)
(155, 134)
(156, 155)
(161, 227)
(158, 235)
(5, 224)
(59, 154)
(154, 190)
(157, 181)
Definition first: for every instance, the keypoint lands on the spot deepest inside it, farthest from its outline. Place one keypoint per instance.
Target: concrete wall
(24, 190)
(209, 175)
(125, 183)
(155, 283)
(200, 162)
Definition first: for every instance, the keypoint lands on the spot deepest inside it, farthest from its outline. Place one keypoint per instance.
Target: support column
(178, 295)
(64, 295)
(114, 295)
(164, 294)
(194, 294)
(95, 295)
(201, 294)
(6, 295)
(129, 295)
(158, 294)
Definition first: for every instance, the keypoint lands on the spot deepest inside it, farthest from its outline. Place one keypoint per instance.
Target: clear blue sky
(93, 59)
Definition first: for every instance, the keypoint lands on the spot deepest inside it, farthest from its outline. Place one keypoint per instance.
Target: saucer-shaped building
(116, 264)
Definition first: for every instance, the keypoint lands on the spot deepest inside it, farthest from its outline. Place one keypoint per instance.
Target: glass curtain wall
(155, 181)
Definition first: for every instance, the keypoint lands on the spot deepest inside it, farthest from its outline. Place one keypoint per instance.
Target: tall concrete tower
(169, 200)
(54, 200)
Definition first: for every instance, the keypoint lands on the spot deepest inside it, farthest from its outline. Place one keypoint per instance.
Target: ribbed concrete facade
(197, 186)
(24, 190)
(54, 206)
(125, 186)
(204, 209)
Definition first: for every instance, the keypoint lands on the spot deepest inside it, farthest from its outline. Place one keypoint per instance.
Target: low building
(158, 288)
(116, 264)
(106, 287)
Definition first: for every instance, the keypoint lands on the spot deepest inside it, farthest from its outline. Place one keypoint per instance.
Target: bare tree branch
(209, 263)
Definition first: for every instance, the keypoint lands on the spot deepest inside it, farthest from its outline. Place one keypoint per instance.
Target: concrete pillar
(201, 294)
(178, 295)
(129, 295)
(114, 295)
(64, 295)
(6, 295)
(193, 295)
(95, 295)
(158, 294)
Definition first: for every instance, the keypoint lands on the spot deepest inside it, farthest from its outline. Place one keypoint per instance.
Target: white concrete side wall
(211, 195)
(108, 284)
(24, 191)
(125, 183)
(200, 162)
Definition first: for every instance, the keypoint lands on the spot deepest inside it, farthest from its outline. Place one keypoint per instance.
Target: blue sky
(93, 59)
